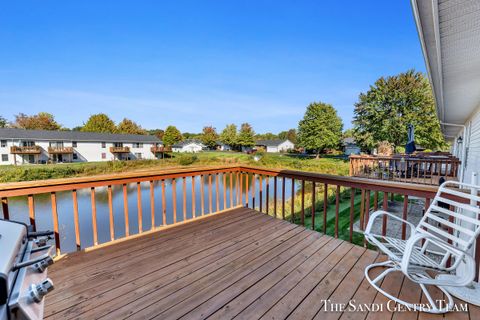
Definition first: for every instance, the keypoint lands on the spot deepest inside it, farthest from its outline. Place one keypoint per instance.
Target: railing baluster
(31, 211)
(260, 191)
(94, 216)
(313, 205)
(75, 220)
(152, 205)
(375, 201)
(125, 210)
(194, 215)
(352, 212)
(210, 205)
(275, 196)
(231, 188)
(217, 193)
(174, 200)
(293, 202)
(337, 207)
(362, 208)
(283, 198)
(241, 188)
(267, 196)
(184, 195)
(110, 212)
(404, 216)
(164, 204)
(202, 193)
(385, 208)
(367, 207)
(139, 208)
(224, 190)
(303, 203)
(325, 206)
(253, 191)
(53, 197)
(237, 187)
(246, 190)
(6, 214)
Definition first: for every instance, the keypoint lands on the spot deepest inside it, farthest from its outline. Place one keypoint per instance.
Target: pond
(18, 206)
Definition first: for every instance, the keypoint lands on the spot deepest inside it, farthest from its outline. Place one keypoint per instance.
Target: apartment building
(19, 146)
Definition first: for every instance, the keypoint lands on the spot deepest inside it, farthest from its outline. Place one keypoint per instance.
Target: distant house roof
(13, 133)
(270, 143)
(186, 142)
(349, 140)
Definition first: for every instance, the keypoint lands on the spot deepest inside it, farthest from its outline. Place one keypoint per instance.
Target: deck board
(237, 264)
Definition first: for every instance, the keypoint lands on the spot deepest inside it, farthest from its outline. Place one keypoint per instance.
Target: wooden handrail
(25, 149)
(53, 150)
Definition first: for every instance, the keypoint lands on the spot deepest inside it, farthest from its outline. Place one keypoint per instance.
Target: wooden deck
(237, 264)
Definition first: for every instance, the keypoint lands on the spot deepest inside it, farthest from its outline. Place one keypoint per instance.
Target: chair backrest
(453, 214)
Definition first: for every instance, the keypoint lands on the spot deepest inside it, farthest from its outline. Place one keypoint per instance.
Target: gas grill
(24, 258)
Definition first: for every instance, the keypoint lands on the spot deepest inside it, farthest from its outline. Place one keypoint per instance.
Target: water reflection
(18, 206)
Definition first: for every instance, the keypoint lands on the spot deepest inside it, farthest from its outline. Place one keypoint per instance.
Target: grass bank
(275, 161)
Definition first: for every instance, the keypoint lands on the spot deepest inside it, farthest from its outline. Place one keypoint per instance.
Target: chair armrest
(450, 251)
(379, 213)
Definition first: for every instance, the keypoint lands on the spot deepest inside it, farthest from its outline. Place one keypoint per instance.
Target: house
(450, 48)
(189, 145)
(350, 147)
(276, 145)
(223, 147)
(19, 146)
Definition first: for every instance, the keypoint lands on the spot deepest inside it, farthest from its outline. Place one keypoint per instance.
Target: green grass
(330, 165)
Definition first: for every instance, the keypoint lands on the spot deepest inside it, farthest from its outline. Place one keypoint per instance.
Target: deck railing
(25, 150)
(60, 150)
(285, 194)
(409, 169)
(160, 149)
(119, 149)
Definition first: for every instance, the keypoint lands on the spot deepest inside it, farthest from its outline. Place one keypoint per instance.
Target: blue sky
(197, 63)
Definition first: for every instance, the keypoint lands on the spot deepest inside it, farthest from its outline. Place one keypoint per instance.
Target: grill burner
(24, 258)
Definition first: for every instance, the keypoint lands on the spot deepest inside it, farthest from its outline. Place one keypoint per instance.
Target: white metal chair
(436, 253)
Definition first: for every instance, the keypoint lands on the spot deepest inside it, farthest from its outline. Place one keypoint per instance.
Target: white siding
(472, 147)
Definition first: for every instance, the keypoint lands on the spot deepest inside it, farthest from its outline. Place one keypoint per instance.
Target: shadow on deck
(238, 263)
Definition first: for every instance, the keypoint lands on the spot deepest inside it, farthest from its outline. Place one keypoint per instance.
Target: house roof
(187, 142)
(450, 40)
(270, 143)
(13, 133)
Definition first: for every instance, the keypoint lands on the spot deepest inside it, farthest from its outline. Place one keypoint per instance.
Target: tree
(290, 135)
(3, 122)
(349, 133)
(229, 135)
(320, 128)
(40, 121)
(99, 123)
(128, 126)
(157, 133)
(246, 136)
(266, 136)
(209, 137)
(390, 105)
(172, 135)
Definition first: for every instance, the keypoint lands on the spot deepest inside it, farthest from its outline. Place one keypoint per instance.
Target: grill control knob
(38, 291)
(43, 264)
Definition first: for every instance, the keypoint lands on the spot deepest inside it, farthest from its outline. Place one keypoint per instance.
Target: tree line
(381, 115)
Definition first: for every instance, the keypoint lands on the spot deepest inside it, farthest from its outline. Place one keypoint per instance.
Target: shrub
(187, 159)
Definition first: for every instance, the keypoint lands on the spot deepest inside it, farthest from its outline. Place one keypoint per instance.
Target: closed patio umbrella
(410, 147)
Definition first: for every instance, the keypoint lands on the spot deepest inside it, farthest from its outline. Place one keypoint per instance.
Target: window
(118, 144)
(74, 144)
(4, 157)
(104, 145)
(104, 155)
(137, 145)
(56, 144)
(4, 143)
(138, 155)
(75, 156)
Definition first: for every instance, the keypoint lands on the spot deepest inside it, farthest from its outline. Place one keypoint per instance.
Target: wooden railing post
(94, 216)
(110, 212)
(6, 213)
(53, 197)
(75, 220)
(125, 210)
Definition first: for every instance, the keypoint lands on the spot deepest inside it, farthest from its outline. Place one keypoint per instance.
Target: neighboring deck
(239, 263)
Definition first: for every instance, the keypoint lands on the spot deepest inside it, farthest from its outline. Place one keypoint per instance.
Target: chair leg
(433, 307)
